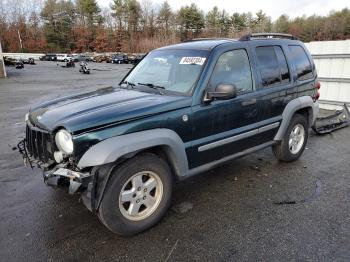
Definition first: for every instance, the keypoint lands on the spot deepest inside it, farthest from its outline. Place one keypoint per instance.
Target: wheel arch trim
(114, 148)
(291, 108)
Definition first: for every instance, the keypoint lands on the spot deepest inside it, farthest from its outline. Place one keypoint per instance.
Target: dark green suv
(182, 110)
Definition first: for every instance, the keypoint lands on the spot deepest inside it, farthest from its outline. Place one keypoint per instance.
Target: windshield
(171, 70)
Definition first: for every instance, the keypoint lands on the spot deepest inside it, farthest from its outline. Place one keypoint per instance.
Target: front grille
(39, 144)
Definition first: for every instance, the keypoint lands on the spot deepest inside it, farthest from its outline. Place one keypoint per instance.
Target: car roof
(199, 44)
(211, 43)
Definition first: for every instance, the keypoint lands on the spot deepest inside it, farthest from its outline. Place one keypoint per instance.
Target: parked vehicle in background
(80, 58)
(131, 58)
(182, 110)
(68, 63)
(17, 63)
(48, 57)
(108, 59)
(138, 58)
(120, 59)
(63, 57)
(29, 61)
(99, 58)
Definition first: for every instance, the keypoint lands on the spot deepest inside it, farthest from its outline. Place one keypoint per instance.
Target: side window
(268, 64)
(233, 67)
(285, 76)
(301, 61)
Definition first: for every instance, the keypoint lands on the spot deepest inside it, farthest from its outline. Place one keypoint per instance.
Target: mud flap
(328, 124)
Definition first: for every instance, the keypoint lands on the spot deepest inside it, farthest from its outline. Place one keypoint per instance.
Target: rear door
(276, 86)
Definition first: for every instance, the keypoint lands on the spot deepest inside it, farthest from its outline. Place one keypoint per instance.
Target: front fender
(111, 149)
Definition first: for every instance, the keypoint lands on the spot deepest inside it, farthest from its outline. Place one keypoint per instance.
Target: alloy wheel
(140, 195)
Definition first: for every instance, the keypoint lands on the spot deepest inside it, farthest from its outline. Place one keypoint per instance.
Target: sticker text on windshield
(192, 60)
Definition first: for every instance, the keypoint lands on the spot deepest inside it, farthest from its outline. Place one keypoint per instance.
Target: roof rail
(205, 39)
(248, 37)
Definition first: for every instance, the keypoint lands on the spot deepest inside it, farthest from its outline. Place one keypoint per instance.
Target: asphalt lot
(254, 208)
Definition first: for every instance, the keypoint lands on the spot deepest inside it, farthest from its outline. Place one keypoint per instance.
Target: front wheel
(294, 141)
(137, 195)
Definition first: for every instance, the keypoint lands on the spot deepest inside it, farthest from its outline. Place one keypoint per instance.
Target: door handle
(249, 102)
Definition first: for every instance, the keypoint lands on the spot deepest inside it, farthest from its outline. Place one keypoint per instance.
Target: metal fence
(332, 60)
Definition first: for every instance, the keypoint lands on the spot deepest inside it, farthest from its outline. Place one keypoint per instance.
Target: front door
(225, 127)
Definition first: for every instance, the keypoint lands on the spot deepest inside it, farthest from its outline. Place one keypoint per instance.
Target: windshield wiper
(128, 83)
(153, 86)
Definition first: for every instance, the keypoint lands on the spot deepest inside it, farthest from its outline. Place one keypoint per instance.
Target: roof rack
(205, 39)
(249, 37)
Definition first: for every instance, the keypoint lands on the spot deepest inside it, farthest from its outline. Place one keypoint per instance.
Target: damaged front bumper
(61, 176)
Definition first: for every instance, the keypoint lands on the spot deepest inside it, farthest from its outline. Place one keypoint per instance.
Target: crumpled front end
(38, 149)
(64, 177)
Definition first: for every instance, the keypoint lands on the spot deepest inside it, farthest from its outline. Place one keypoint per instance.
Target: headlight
(26, 117)
(64, 141)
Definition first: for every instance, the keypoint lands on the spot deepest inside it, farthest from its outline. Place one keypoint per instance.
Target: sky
(274, 9)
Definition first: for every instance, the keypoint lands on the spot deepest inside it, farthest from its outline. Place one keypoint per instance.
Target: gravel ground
(254, 208)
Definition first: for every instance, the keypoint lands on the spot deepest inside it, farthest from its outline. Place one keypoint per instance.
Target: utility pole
(20, 40)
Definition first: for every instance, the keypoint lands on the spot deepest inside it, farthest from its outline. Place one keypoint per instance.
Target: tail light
(317, 86)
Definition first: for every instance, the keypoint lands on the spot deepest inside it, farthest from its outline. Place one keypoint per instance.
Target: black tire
(110, 213)
(282, 150)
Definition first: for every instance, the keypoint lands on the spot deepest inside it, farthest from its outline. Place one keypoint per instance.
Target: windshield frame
(191, 91)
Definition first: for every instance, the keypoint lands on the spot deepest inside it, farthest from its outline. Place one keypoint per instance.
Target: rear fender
(291, 108)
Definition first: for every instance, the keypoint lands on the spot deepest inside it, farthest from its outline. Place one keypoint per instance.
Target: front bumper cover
(63, 176)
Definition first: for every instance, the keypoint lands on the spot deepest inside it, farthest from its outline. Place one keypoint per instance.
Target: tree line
(134, 26)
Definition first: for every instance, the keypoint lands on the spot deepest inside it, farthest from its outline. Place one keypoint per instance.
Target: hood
(105, 106)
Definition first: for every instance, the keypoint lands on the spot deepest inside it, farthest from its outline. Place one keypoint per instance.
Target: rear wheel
(137, 195)
(294, 141)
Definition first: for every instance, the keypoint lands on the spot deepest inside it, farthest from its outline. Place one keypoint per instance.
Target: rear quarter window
(301, 61)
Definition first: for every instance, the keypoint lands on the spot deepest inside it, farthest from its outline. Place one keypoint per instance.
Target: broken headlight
(64, 142)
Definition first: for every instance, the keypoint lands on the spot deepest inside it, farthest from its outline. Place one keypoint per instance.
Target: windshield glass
(171, 70)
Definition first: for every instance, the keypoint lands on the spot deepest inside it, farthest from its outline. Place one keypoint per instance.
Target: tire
(116, 214)
(284, 151)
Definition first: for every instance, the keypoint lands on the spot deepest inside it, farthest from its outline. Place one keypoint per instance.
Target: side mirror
(223, 92)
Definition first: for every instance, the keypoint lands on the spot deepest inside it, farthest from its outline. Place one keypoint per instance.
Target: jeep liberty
(184, 109)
